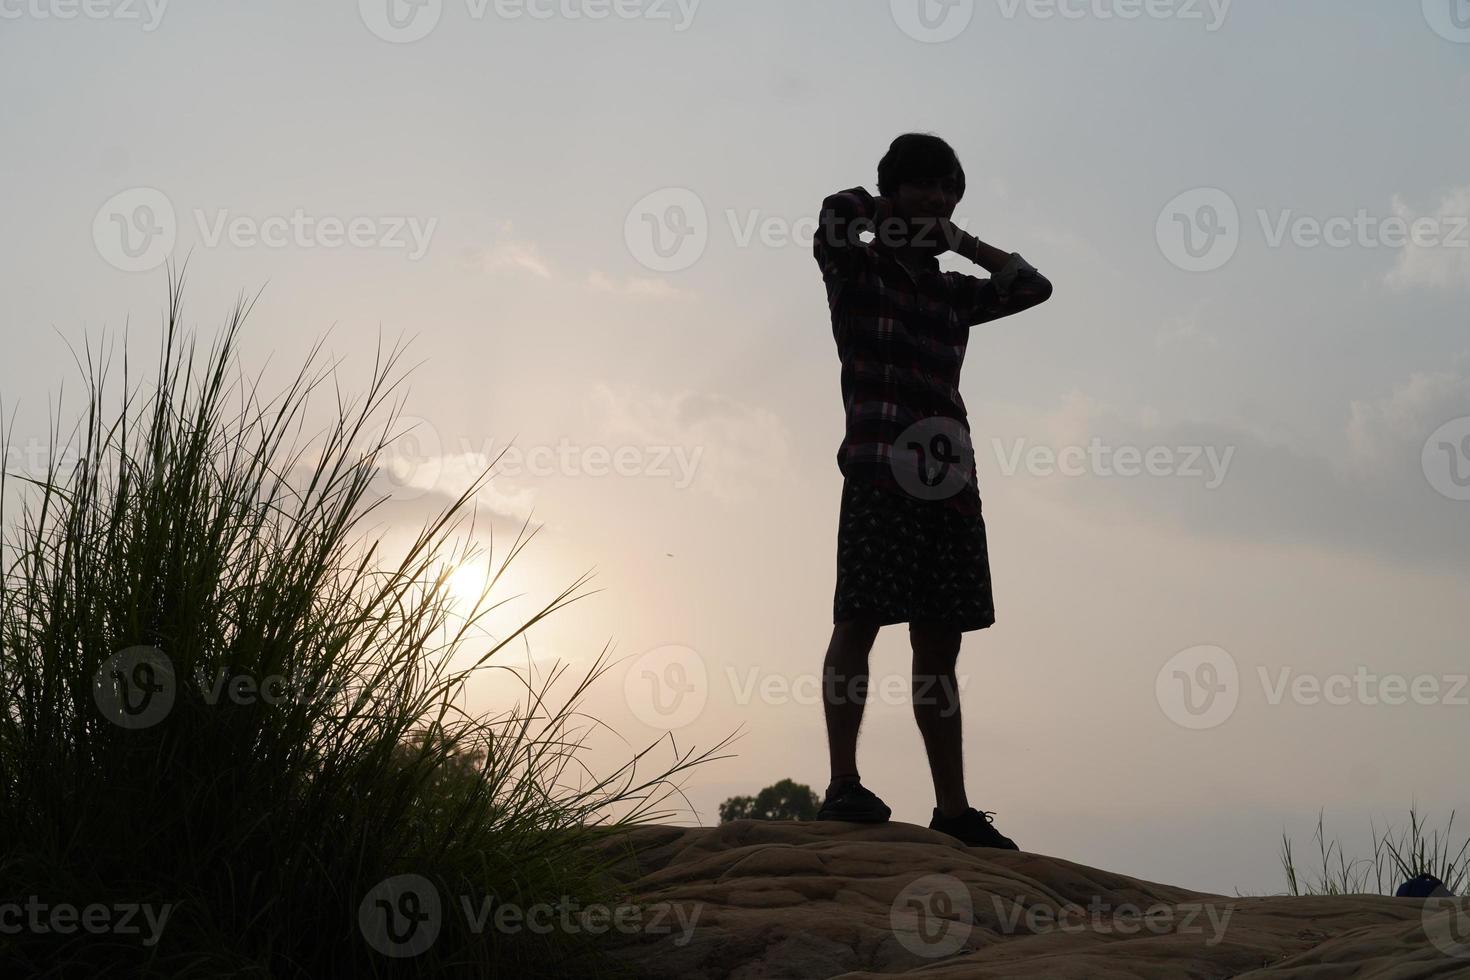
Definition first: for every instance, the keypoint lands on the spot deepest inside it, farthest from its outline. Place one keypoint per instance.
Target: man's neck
(919, 260)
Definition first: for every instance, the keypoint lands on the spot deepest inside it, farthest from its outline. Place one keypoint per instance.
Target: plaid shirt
(902, 342)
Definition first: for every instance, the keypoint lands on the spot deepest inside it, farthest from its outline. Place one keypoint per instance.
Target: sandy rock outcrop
(754, 899)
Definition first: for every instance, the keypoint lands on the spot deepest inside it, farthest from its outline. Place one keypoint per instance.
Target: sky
(1226, 468)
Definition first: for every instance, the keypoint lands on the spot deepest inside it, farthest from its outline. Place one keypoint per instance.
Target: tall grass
(200, 523)
(1396, 859)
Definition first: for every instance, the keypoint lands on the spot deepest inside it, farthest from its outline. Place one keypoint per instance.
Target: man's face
(928, 197)
(923, 199)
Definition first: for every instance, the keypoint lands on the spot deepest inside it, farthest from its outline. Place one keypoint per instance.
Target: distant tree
(453, 776)
(785, 800)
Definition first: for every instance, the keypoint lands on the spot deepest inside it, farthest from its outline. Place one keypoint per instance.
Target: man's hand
(885, 229)
(952, 237)
(883, 209)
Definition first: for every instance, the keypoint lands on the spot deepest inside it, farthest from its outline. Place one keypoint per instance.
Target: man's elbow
(838, 223)
(1034, 293)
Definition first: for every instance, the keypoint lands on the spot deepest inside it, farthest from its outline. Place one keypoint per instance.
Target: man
(911, 542)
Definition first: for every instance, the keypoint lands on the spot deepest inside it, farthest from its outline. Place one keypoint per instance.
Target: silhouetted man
(911, 542)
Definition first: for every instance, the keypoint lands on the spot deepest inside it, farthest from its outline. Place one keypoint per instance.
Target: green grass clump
(198, 523)
(1395, 860)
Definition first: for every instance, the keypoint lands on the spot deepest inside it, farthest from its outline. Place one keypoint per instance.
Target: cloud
(633, 286)
(1186, 329)
(733, 449)
(1361, 489)
(1444, 261)
(1389, 432)
(513, 256)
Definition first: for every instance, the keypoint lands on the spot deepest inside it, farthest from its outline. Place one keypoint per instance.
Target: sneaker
(975, 828)
(851, 802)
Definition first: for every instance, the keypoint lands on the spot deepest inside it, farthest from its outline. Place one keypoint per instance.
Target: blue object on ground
(1422, 886)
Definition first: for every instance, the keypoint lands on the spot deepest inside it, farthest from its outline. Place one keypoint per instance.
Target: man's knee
(935, 644)
(855, 634)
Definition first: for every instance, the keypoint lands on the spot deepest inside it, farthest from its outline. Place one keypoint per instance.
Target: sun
(466, 585)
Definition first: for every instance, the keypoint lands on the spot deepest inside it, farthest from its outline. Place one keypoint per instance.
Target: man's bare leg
(937, 711)
(844, 692)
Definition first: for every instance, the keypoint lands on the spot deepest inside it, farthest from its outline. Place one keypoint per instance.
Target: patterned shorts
(905, 560)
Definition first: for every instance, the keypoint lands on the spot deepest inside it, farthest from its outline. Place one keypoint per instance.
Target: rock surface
(753, 899)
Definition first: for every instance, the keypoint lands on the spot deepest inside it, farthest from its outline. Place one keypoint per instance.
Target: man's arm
(843, 217)
(1015, 285)
(988, 257)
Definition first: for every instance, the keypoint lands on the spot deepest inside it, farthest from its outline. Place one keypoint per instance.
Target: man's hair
(914, 156)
